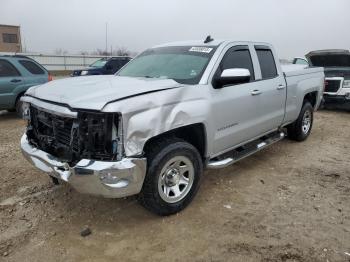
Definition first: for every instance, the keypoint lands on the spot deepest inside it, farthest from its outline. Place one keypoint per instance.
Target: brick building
(10, 38)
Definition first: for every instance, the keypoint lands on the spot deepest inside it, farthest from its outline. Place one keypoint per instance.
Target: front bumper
(101, 178)
(337, 101)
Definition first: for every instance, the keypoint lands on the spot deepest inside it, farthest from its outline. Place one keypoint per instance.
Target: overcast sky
(293, 26)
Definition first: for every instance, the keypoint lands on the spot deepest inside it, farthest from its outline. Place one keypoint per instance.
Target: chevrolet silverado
(151, 129)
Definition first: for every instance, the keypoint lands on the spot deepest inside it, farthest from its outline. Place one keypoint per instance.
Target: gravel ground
(289, 202)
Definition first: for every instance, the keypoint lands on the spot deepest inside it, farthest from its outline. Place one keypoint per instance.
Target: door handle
(280, 87)
(256, 92)
(16, 80)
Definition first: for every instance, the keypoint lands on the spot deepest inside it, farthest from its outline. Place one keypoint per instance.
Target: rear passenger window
(32, 67)
(267, 63)
(7, 69)
(238, 57)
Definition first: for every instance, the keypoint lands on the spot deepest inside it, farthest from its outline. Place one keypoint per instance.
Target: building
(10, 38)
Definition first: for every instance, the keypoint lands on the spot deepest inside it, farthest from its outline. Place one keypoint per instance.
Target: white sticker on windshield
(201, 49)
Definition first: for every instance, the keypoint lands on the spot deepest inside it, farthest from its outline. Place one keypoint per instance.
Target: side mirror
(300, 61)
(232, 76)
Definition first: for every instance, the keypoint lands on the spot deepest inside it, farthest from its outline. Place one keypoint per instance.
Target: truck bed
(294, 70)
(301, 80)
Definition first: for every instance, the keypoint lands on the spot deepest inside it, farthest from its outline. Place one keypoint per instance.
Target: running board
(245, 150)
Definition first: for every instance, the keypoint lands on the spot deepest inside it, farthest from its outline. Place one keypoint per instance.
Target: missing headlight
(98, 135)
(25, 110)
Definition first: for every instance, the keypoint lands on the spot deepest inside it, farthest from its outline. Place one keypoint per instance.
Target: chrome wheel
(306, 122)
(176, 179)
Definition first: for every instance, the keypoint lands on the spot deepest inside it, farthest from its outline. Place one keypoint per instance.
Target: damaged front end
(92, 135)
(83, 148)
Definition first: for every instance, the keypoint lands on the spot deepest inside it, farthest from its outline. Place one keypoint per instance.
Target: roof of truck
(192, 43)
(215, 42)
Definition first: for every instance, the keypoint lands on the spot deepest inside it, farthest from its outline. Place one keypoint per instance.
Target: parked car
(172, 111)
(17, 74)
(336, 65)
(104, 66)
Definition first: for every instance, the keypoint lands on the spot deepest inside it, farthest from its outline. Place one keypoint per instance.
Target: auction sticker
(201, 49)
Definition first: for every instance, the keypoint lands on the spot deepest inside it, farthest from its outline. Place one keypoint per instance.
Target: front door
(10, 78)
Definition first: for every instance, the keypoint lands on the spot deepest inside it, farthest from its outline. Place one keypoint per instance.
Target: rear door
(10, 79)
(272, 85)
(33, 72)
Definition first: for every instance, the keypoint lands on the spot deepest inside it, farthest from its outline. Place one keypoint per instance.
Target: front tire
(301, 128)
(19, 107)
(173, 176)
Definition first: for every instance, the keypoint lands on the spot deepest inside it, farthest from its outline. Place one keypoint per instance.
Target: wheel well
(193, 134)
(18, 97)
(311, 97)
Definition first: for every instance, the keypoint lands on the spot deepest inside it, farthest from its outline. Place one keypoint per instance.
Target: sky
(294, 27)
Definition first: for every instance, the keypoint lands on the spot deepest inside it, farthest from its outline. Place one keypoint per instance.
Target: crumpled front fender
(149, 115)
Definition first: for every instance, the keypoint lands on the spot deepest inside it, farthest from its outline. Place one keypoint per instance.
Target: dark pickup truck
(103, 66)
(336, 65)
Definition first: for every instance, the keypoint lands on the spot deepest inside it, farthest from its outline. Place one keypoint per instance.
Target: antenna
(208, 39)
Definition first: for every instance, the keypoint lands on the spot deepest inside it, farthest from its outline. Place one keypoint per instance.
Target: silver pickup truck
(172, 111)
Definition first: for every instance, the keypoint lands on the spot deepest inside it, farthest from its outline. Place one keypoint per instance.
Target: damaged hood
(329, 58)
(94, 92)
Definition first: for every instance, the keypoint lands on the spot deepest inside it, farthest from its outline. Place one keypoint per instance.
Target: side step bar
(245, 150)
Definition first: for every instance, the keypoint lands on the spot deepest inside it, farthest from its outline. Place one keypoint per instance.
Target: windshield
(99, 63)
(185, 64)
(340, 60)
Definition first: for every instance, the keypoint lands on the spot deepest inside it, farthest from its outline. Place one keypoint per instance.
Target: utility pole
(106, 39)
(24, 45)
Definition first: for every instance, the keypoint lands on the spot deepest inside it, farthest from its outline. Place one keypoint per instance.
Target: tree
(121, 51)
(60, 51)
(100, 52)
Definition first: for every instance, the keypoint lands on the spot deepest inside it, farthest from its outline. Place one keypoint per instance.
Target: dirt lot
(289, 202)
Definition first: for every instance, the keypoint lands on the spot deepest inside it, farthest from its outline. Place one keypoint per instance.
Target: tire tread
(149, 197)
(294, 129)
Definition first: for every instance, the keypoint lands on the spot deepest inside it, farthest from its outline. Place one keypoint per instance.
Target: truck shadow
(5, 115)
(335, 109)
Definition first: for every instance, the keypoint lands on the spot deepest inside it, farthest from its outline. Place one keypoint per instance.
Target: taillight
(50, 78)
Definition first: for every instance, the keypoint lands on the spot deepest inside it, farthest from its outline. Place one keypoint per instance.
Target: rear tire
(301, 128)
(173, 176)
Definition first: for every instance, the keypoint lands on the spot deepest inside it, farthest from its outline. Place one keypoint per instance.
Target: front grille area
(76, 72)
(332, 86)
(88, 136)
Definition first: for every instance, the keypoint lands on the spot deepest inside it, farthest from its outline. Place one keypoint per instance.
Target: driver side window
(112, 65)
(237, 57)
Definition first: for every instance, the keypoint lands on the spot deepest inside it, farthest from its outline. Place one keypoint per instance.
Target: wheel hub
(176, 179)
(306, 122)
(172, 177)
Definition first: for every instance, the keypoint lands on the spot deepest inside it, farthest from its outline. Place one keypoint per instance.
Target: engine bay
(92, 135)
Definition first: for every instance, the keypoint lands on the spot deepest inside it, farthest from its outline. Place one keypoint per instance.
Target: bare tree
(100, 52)
(121, 51)
(60, 51)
